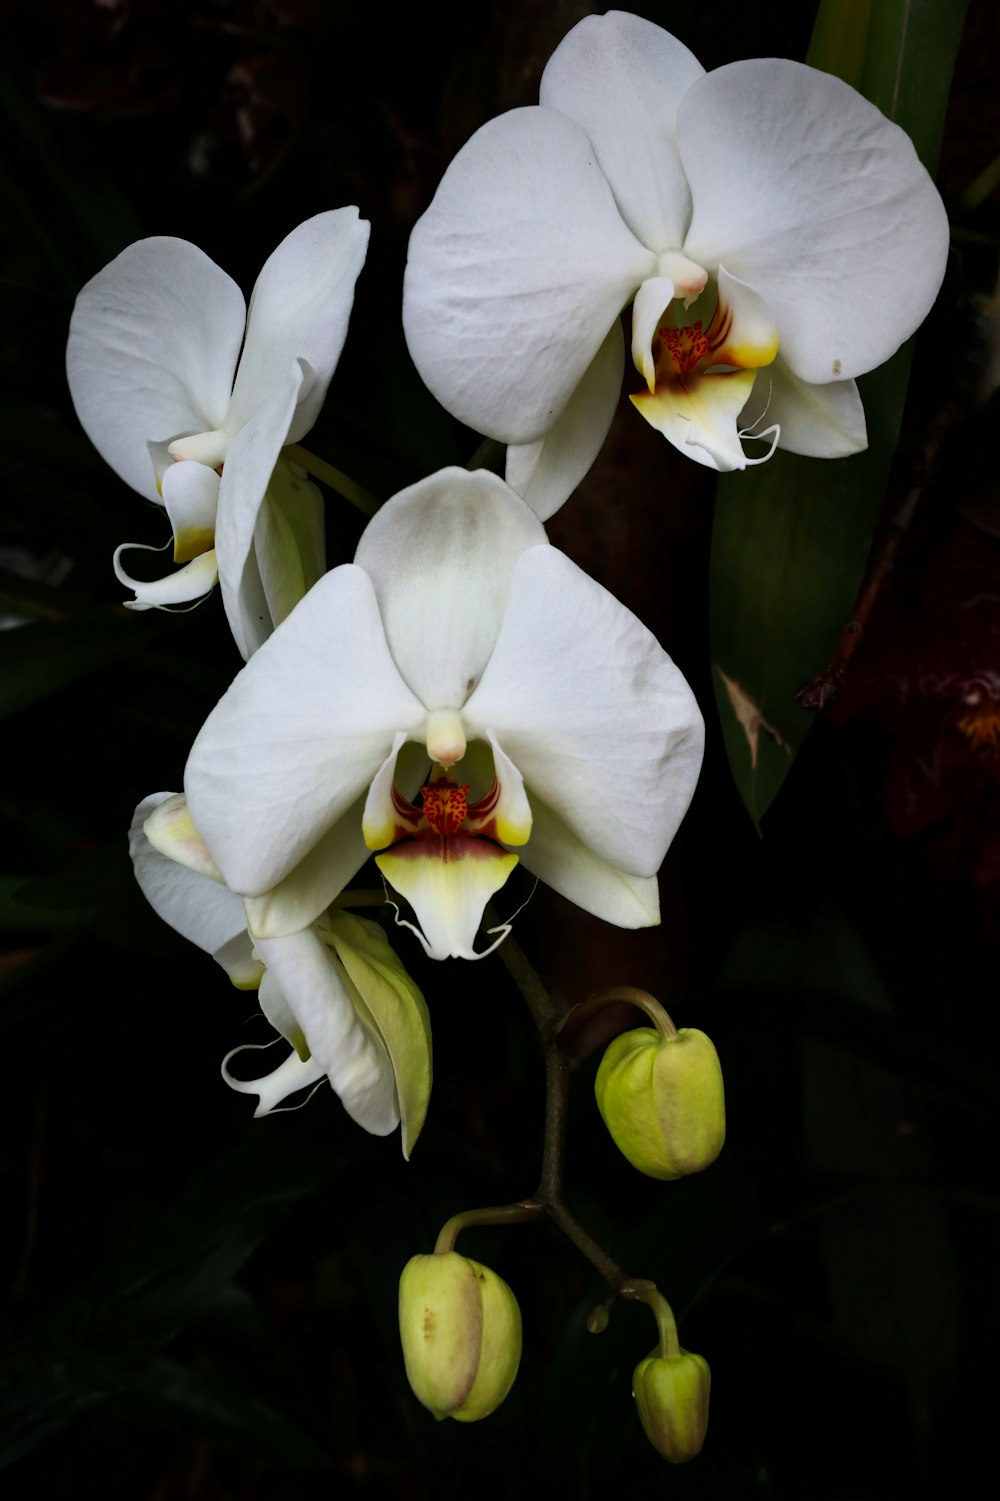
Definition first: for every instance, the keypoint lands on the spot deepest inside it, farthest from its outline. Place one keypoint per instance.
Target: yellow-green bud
(663, 1101)
(671, 1393)
(461, 1331)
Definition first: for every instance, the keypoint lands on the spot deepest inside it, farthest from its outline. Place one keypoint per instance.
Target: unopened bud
(663, 1101)
(671, 1393)
(461, 1332)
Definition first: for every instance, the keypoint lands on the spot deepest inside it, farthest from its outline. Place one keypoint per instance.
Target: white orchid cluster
(462, 697)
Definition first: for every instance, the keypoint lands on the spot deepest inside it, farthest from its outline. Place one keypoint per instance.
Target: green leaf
(790, 537)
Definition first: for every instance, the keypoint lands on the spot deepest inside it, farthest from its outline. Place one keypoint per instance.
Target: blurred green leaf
(102, 1338)
(791, 536)
(169, 1395)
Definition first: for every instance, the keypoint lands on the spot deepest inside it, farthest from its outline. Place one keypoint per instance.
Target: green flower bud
(662, 1099)
(671, 1393)
(461, 1331)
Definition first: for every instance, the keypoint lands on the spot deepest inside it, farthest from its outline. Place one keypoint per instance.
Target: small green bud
(663, 1101)
(671, 1393)
(461, 1332)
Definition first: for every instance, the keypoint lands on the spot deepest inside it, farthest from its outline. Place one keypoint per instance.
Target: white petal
(198, 907)
(516, 273)
(448, 894)
(823, 422)
(699, 416)
(274, 1088)
(246, 474)
(280, 1015)
(191, 582)
(651, 302)
(808, 193)
(299, 735)
(559, 858)
(622, 78)
(546, 472)
(299, 311)
(441, 555)
(314, 883)
(170, 830)
(355, 1062)
(191, 496)
(289, 539)
(153, 344)
(596, 717)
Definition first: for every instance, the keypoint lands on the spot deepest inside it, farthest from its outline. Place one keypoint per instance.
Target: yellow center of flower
(445, 806)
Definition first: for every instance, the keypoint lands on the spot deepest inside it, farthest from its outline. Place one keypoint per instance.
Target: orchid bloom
(460, 697)
(775, 234)
(164, 393)
(336, 992)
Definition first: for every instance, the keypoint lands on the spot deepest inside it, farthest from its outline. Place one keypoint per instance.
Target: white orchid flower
(776, 235)
(164, 393)
(459, 697)
(336, 992)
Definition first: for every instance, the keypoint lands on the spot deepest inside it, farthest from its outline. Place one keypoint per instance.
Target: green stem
(629, 995)
(500, 1214)
(342, 483)
(663, 1313)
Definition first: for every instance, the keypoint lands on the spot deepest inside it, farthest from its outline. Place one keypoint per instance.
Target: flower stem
(630, 995)
(500, 1214)
(342, 483)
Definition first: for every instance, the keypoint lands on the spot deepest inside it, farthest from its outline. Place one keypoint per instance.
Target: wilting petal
(197, 906)
(191, 496)
(180, 587)
(249, 465)
(447, 883)
(299, 310)
(823, 422)
(354, 1061)
(592, 712)
(396, 1008)
(812, 196)
(153, 345)
(699, 416)
(440, 555)
(563, 861)
(546, 472)
(274, 1088)
(299, 735)
(622, 78)
(516, 273)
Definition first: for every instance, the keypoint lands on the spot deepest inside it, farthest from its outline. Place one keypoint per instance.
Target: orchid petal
(440, 555)
(280, 1015)
(299, 735)
(563, 861)
(355, 1061)
(596, 717)
(289, 539)
(512, 816)
(299, 311)
(397, 1010)
(698, 416)
(193, 903)
(170, 830)
(516, 273)
(314, 883)
(447, 883)
(193, 581)
(191, 496)
(274, 1088)
(380, 822)
(622, 79)
(546, 472)
(811, 195)
(246, 475)
(823, 422)
(651, 302)
(153, 345)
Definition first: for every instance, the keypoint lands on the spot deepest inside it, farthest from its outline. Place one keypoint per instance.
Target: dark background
(199, 1305)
